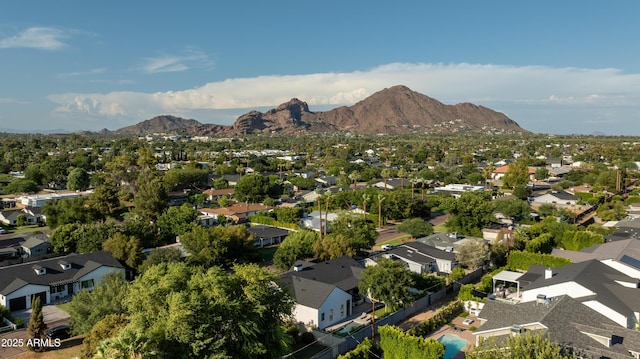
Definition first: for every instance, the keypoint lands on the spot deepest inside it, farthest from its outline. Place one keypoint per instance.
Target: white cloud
(191, 57)
(89, 72)
(43, 38)
(512, 89)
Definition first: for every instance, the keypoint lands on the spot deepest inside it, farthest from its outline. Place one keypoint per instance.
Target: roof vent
(297, 268)
(64, 264)
(39, 270)
(516, 329)
(548, 273)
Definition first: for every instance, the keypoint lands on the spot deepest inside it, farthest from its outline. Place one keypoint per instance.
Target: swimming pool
(347, 329)
(452, 345)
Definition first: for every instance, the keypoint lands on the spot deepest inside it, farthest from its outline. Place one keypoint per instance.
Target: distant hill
(394, 110)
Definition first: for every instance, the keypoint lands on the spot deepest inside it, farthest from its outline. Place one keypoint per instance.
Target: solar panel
(630, 261)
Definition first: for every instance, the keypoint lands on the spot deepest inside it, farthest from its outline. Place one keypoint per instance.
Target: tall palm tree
(326, 205)
(353, 176)
(319, 193)
(365, 199)
(402, 173)
(381, 199)
(385, 173)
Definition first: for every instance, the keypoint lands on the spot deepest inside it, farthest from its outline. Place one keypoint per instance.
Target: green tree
(157, 256)
(542, 173)
(36, 329)
(176, 221)
(127, 344)
(78, 179)
(416, 227)
(473, 253)
(151, 197)
(66, 211)
(21, 185)
(255, 188)
(104, 201)
(360, 234)
(188, 177)
(469, 213)
(218, 246)
(534, 345)
(396, 344)
(124, 248)
(517, 174)
(297, 245)
(89, 307)
(189, 313)
(513, 208)
(387, 281)
(332, 246)
(106, 328)
(365, 350)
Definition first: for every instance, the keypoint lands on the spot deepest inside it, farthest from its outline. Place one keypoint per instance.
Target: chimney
(548, 273)
(297, 267)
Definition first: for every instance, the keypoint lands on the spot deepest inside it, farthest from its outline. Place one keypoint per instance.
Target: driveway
(53, 316)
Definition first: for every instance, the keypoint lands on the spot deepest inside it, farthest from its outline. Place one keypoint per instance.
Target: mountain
(158, 124)
(395, 110)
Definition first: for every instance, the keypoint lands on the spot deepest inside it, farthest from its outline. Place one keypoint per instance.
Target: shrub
(307, 338)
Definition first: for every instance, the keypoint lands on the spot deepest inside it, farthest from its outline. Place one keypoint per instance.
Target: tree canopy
(387, 281)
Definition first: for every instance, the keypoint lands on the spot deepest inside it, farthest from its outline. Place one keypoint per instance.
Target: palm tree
(326, 205)
(402, 173)
(381, 199)
(365, 199)
(354, 178)
(318, 192)
(385, 173)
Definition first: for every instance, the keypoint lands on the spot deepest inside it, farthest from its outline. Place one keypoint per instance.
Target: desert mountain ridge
(394, 110)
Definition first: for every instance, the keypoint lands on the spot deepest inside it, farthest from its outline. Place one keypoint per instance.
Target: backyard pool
(452, 344)
(347, 329)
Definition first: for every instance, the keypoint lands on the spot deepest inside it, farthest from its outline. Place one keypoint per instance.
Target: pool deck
(463, 332)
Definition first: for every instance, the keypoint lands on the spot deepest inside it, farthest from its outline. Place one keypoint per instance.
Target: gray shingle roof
(15, 277)
(568, 323)
(262, 231)
(598, 278)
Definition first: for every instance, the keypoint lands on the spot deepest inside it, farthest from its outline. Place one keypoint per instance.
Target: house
(10, 216)
(625, 229)
(442, 241)
(38, 200)
(499, 172)
(325, 292)
(326, 181)
(622, 255)
(267, 235)
(456, 189)
(177, 198)
(575, 327)
(237, 212)
(592, 283)
(312, 220)
(53, 279)
(36, 246)
(421, 258)
(214, 194)
(556, 197)
(392, 183)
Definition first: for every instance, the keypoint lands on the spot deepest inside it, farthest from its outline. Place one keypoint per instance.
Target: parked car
(59, 332)
(3, 231)
(386, 247)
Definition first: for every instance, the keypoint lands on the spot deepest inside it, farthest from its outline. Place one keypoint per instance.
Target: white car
(386, 247)
(3, 231)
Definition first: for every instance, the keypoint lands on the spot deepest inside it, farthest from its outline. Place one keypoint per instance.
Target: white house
(53, 279)
(556, 197)
(326, 292)
(422, 258)
(594, 284)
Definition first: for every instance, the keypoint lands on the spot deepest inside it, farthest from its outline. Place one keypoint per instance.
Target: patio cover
(508, 276)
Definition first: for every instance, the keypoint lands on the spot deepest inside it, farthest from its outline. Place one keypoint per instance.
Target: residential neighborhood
(350, 239)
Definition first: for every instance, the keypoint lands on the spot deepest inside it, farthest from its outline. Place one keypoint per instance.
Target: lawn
(440, 228)
(64, 306)
(266, 253)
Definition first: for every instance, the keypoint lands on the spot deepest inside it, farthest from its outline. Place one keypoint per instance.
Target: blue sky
(557, 67)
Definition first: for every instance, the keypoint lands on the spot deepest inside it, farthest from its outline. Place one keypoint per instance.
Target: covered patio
(502, 290)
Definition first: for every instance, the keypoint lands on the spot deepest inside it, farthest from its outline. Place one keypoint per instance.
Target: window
(57, 289)
(86, 284)
(322, 316)
(330, 314)
(342, 310)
